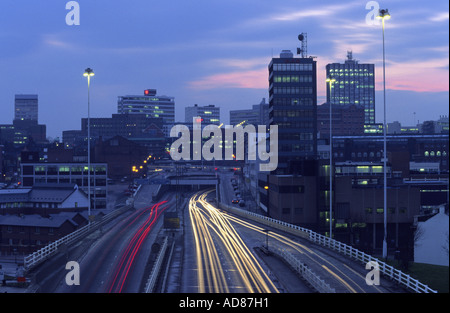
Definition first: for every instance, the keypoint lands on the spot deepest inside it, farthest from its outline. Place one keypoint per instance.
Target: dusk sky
(212, 52)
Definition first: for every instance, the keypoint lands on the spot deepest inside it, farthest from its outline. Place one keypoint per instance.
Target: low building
(69, 173)
(24, 234)
(43, 199)
(293, 199)
(431, 238)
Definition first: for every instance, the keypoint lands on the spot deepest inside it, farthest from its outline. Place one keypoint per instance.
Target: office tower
(257, 115)
(26, 107)
(149, 104)
(354, 85)
(210, 114)
(293, 107)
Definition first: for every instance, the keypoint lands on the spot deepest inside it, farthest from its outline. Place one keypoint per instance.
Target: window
(286, 210)
(380, 210)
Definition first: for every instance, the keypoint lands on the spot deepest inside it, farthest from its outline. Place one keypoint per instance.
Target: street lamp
(330, 81)
(384, 15)
(89, 73)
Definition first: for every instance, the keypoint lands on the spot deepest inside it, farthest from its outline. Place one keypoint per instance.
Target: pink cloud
(421, 76)
(254, 79)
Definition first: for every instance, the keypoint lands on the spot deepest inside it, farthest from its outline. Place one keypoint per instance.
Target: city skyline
(212, 53)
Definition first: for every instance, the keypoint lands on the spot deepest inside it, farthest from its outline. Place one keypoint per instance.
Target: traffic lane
(336, 271)
(223, 252)
(97, 263)
(127, 275)
(228, 193)
(250, 269)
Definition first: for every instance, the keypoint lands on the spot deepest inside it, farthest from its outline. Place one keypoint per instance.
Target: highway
(234, 233)
(218, 252)
(224, 263)
(117, 261)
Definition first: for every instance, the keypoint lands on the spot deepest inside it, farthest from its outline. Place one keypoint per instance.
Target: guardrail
(150, 285)
(314, 280)
(42, 254)
(401, 278)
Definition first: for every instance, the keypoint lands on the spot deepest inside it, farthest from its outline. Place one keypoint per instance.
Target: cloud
(420, 76)
(251, 79)
(440, 17)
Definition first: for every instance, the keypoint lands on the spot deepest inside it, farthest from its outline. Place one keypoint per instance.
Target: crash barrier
(389, 271)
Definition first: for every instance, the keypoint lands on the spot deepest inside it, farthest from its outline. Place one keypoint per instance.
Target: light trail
(342, 278)
(204, 218)
(128, 255)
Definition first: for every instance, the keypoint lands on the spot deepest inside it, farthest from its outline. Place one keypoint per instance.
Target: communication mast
(303, 51)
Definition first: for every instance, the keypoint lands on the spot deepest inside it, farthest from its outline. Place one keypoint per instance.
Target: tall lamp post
(89, 73)
(384, 15)
(330, 81)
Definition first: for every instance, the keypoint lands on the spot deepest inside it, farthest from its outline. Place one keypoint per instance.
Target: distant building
(122, 155)
(26, 107)
(150, 104)
(209, 114)
(257, 115)
(125, 125)
(22, 132)
(354, 85)
(347, 120)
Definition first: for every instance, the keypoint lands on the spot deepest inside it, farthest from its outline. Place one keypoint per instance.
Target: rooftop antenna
(349, 55)
(303, 51)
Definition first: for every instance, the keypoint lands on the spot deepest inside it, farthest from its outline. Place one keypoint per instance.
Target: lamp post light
(330, 81)
(89, 73)
(384, 15)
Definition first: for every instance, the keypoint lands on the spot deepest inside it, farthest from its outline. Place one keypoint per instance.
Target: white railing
(347, 250)
(315, 281)
(40, 255)
(156, 268)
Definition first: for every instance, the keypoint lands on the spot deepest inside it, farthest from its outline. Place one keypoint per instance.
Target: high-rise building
(293, 107)
(26, 107)
(149, 104)
(354, 85)
(210, 114)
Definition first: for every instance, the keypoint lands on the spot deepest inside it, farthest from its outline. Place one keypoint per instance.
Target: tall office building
(354, 85)
(210, 114)
(26, 107)
(293, 107)
(149, 104)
